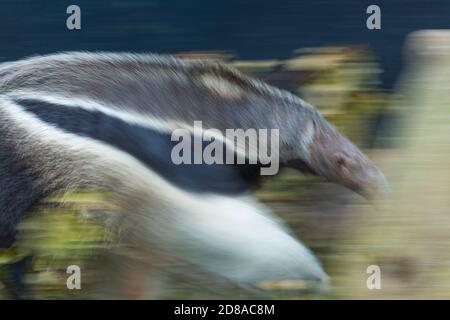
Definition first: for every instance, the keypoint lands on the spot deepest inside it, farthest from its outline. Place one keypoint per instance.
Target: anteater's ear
(309, 132)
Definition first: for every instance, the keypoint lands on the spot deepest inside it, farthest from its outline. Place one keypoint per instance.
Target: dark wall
(252, 28)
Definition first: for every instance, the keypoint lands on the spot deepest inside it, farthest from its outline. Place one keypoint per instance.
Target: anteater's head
(327, 153)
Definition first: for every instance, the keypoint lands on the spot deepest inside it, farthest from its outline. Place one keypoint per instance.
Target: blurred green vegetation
(60, 231)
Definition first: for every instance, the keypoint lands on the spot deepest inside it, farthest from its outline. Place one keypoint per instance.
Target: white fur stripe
(122, 113)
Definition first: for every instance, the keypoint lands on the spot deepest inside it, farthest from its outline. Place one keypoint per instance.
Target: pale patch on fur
(221, 86)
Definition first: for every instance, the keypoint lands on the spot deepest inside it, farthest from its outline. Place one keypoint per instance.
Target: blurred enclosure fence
(407, 236)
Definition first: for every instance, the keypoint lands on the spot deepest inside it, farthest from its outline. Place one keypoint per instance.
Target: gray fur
(173, 90)
(163, 87)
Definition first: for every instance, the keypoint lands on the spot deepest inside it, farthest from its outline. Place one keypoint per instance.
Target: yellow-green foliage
(62, 230)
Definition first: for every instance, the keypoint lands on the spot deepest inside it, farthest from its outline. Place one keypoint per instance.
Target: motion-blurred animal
(81, 120)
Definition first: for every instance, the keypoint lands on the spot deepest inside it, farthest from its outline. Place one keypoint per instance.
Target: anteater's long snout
(334, 157)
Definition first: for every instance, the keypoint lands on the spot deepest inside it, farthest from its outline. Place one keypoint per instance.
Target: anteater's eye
(342, 160)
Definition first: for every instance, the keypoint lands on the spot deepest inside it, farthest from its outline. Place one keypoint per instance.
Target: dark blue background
(252, 28)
